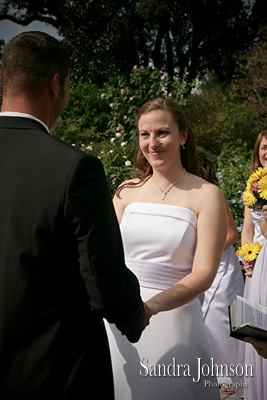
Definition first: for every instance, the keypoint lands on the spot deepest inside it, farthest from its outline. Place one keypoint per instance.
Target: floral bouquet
(255, 195)
(248, 254)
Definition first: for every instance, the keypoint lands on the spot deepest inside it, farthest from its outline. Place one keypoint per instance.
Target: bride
(173, 226)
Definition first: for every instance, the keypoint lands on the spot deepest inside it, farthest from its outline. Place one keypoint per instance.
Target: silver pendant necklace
(165, 192)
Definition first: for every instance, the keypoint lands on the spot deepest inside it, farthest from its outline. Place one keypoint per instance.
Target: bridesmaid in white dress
(173, 227)
(228, 283)
(257, 384)
(251, 231)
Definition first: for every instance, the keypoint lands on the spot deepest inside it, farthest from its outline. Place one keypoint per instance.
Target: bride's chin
(157, 162)
(157, 167)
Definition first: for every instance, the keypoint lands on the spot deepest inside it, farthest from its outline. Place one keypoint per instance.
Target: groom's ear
(54, 86)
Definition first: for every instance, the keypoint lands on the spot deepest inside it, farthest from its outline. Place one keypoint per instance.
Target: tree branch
(30, 18)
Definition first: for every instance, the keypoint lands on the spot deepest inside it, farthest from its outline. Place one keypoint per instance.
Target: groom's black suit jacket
(61, 269)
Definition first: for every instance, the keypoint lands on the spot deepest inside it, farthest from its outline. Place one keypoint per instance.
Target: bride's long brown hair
(189, 156)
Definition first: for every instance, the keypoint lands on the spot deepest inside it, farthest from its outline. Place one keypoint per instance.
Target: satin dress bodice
(159, 242)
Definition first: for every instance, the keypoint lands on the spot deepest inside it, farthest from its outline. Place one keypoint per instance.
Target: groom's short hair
(29, 61)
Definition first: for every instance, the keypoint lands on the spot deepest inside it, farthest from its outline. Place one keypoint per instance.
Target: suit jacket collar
(21, 123)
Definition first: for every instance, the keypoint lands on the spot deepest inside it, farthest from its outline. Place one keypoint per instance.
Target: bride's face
(159, 139)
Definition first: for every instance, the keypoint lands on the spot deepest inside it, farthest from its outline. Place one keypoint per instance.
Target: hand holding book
(259, 345)
(248, 319)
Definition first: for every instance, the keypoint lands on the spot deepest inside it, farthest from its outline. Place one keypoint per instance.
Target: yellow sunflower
(256, 175)
(263, 187)
(249, 186)
(249, 251)
(238, 251)
(248, 198)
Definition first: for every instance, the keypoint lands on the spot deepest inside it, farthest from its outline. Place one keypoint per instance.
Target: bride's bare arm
(125, 197)
(211, 235)
(119, 207)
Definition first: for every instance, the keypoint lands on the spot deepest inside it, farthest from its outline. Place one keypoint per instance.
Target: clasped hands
(148, 315)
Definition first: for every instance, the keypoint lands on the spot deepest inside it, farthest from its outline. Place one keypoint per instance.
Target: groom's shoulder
(66, 150)
(65, 157)
(63, 146)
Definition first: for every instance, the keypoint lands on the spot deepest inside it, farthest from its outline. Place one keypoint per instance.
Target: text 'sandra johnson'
(203, 370)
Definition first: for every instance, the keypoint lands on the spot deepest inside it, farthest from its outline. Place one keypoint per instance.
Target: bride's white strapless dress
(172, 359)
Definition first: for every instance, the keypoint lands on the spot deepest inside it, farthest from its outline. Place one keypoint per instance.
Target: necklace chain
(165, 192)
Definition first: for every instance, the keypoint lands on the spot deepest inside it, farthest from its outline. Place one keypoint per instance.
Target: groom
(61, 259)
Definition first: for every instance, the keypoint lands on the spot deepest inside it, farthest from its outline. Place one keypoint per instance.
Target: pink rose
(255, 187)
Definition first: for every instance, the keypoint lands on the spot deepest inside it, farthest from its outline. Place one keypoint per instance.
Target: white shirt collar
(22, 115)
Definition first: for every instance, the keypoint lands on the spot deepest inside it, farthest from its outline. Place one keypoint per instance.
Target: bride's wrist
(152, 306)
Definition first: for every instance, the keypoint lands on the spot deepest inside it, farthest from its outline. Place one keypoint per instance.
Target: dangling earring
(183, 146)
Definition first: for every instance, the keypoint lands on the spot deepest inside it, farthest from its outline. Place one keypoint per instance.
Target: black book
(247, 318)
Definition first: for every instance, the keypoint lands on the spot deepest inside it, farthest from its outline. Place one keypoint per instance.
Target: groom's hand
(148, 315)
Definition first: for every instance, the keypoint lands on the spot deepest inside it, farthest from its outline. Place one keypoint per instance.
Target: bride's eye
(163, 133)
(143, 134)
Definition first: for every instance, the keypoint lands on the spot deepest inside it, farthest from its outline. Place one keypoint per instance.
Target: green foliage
(249, 83)
(126, 97)
(117, 157)
(86, 117)
(217, 118)
(233, 170)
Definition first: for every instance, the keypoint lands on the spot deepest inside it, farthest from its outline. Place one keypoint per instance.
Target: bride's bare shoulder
(201, 184)
(126, 194)
(204, 190)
